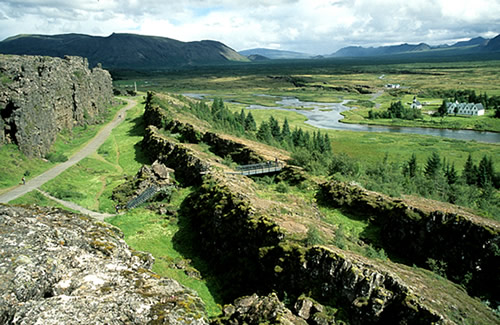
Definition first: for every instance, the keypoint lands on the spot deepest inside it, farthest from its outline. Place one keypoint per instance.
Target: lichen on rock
(40, 96)
(61, 268)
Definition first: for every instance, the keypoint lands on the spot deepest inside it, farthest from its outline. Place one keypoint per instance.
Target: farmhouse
(393, 86)
(465, 109)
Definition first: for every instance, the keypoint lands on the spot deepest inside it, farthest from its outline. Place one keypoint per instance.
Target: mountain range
(474, 45)
(123, 50)
(132, 51)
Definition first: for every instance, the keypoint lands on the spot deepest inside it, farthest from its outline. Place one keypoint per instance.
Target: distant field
(336, 80)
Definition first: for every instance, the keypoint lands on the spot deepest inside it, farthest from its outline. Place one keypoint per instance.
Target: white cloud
(314, 26)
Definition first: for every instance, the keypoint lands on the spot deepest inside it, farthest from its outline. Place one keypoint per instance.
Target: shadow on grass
(185, 242)
(137, 130)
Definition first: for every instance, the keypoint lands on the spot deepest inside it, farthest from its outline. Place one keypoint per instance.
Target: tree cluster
(219, 116)
(396, 110)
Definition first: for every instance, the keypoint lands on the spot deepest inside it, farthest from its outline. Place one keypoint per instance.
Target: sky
(309, 26)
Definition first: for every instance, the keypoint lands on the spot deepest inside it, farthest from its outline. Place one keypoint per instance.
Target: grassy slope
(90, 184)
(15, 164)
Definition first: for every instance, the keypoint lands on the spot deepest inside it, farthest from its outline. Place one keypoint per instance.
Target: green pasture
(15, 164)
(158, 235)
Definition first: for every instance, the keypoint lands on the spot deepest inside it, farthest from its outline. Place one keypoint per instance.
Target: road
(89, 148)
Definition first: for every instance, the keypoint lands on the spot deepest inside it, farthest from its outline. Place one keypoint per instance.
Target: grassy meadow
(15, 165)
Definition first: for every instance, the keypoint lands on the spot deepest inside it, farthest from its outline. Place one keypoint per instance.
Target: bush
(56, 157)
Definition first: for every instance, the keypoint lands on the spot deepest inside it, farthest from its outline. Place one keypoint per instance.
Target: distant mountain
(257, 57)
(382, 50)
(123, 50)
(275, 54)
(493, 44)
(478, 41)
(474, 45)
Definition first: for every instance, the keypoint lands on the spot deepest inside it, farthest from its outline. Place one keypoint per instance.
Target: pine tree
(285, 130)
(328, 144)
(275, 128)
(410, 169)
(469, 174)
(451, 174)
(485, 172)
(250, 124)
(442, 110)
(433, 165)
(264, 133)
(242, 117)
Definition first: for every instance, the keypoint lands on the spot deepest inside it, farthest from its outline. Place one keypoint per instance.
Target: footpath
(89, 148)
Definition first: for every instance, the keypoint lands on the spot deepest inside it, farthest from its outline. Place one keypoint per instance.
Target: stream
(328, 116)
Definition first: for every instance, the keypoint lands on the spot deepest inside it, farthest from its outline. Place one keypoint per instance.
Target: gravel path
(89, 148)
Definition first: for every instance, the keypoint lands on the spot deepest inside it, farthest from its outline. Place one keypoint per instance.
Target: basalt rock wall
(468, 245)
(159, 117)
(188, 168)
(40, 96)
(250, 252)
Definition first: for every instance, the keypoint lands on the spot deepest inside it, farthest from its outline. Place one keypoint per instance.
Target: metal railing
(261, 168)
(143, 197)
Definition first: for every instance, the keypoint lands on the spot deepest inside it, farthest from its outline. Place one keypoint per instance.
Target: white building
(465, 109)
(393, 86)
(416, 104)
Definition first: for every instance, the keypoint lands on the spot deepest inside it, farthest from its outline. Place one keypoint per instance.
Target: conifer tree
(433, 165)
(469, 174)
(275, 128)
(250, 124)
(264, 133)
(242, 117)
(451, 174)
(410, 169)
(285, 130)
(485, 172)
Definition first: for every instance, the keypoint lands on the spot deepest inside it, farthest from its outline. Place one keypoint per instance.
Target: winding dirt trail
(90, 147)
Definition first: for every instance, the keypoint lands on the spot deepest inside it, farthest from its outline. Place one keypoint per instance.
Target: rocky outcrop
(188, 167)
(467, 245)
(157, 116)
(250, 252)
(63, 268)
(40, 96)
(258, 310)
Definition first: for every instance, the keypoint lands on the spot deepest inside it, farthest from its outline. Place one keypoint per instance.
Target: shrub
(56, 157)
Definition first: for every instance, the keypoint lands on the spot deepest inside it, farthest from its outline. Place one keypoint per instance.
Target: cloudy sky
(311, 26)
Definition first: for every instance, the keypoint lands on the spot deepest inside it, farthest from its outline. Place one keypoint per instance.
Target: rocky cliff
(40, 96)
(466, 245)
(254, 245)
(63, 268)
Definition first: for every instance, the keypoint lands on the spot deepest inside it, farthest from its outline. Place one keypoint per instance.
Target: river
(328, 116)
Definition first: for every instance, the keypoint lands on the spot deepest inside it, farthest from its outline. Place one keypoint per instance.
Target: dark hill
(493, 44)
(382, 50)
(476, 45)
(123, 50)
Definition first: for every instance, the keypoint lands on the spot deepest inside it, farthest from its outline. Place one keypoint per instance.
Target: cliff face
(63, 268)
(40, 96)
(467, 244)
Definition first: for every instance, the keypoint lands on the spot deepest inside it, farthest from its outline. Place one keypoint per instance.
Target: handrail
(143, 197)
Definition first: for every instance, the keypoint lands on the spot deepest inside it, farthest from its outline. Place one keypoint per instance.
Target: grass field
(15, 164)
(90, 184)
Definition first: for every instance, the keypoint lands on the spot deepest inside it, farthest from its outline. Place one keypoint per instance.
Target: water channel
(328, 116)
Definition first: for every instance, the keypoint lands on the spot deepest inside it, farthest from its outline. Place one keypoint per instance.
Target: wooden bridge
(257, 169)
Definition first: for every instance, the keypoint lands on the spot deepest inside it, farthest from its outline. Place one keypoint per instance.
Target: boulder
(64, 268)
